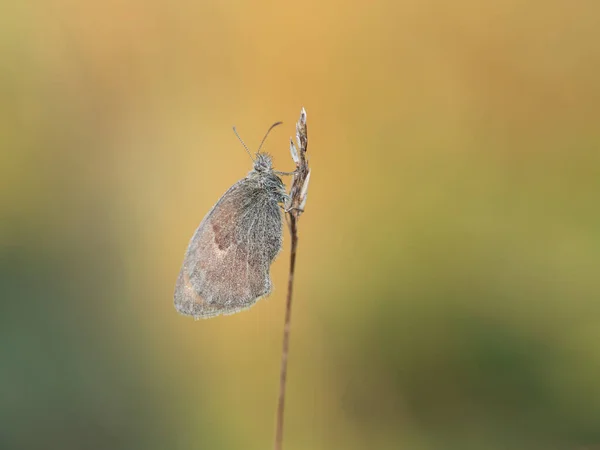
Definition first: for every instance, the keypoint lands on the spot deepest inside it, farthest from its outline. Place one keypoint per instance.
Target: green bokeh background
(448, 280)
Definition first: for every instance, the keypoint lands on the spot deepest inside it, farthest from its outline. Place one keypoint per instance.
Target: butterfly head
(263, 163)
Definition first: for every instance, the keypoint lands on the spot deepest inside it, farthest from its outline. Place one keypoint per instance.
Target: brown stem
(286, 338)
(294, 208)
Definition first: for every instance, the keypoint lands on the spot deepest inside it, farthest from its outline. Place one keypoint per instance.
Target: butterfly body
(226, 266)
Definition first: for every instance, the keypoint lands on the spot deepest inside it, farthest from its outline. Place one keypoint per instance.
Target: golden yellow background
(448, 280)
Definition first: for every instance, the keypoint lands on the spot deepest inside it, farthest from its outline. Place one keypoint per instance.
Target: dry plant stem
(294, 208)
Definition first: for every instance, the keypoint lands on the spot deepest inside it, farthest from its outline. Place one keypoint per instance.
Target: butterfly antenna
(267, 133)
(240, 139)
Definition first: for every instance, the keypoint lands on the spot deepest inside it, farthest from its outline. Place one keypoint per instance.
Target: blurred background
(448, 279)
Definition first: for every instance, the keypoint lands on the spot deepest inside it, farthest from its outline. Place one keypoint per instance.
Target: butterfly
(226, 266)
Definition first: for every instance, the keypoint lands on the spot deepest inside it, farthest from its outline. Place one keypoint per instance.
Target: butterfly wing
(226, 266)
